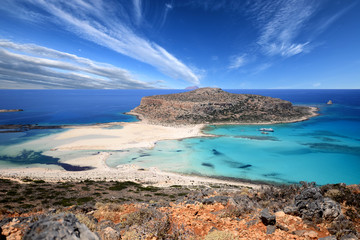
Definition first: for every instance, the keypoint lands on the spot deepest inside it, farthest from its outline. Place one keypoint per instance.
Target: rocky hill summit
(213, 105)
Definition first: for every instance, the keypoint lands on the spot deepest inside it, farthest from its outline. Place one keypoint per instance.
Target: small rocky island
(11, 110)
(213, 105)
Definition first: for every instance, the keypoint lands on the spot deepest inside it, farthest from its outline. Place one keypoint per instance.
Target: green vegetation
(118, 186)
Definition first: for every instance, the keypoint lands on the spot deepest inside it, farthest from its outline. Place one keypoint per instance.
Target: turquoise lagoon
(324, 149)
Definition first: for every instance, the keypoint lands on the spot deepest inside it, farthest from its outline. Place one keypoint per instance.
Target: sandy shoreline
(101, 138)
(127, 172)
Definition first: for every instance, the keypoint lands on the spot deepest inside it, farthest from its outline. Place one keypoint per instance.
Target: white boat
(266, 129)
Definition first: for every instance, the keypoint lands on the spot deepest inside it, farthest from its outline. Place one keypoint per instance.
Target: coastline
(313, 112)
(128, 172)
(132, 135)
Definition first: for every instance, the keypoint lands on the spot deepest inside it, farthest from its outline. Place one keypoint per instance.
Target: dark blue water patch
(271, 175)
(277, 178)
(245, 166)
(327, 139)
(302, 151)
(235, 164)
(179, 150)
(72, 168)
(144, 155)
(326, 133)
(134, 158)
(261, 138)
(216, 152)
(334, 148)
(33, 157)
(208, 165)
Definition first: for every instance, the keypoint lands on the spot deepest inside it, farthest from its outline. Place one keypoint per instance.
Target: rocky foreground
(34, 209)
(213, 105)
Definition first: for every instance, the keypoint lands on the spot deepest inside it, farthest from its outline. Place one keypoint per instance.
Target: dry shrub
(108, 211)
(131, 235)
(148, 223)
(232, 212)
(91, 224)
(219, 235)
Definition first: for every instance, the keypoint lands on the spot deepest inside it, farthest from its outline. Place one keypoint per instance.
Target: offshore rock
(61, 226)
(213, 105)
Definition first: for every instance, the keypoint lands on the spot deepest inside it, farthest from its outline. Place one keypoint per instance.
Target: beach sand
(132, 135)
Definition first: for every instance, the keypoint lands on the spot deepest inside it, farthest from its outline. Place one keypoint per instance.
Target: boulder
(267, 218)
(61, 226)
(311, 205)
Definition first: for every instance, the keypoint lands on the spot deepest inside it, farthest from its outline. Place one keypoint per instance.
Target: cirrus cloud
(106, 23)
(30, 65)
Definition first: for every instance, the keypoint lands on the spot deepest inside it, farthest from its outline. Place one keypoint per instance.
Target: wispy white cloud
(238, 61)
(326, 22)
(280, 22)
(107, 25)
(285, 49)
(22, 65)
(167, 8)
(137, 11)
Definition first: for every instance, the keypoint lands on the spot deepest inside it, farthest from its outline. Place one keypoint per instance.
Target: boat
(266, 129)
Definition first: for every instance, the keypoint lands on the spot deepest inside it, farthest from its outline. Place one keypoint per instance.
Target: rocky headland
(213, 105)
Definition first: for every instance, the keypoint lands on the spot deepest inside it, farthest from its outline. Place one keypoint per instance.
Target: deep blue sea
(324, 149)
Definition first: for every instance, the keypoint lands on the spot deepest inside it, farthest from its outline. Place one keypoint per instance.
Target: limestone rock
(61, 226)
(311, 205)
(267, 218)
(213, 105)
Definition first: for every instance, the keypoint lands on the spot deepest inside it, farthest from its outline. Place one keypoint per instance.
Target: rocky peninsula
(213, 106)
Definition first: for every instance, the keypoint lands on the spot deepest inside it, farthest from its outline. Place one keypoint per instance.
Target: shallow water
(324, 149)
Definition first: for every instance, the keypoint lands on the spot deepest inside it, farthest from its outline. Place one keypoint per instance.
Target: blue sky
(232, 44)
